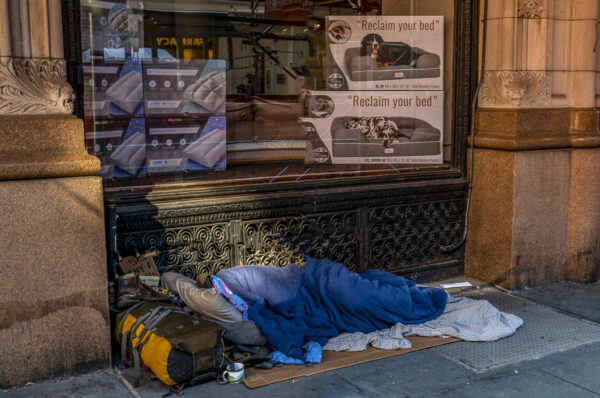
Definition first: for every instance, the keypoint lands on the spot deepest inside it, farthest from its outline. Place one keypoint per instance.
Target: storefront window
(211, 92)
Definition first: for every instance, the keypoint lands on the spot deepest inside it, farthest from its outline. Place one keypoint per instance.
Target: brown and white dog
(387, 54)
(377, 127)
(337, 32)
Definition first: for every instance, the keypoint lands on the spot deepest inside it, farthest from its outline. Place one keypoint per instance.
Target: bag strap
(125, 335)
(131, 334)
(149, 329)
(123, 315)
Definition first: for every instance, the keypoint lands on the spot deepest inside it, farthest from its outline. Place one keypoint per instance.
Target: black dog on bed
(387, 54)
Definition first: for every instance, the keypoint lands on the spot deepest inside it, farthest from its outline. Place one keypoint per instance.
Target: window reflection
(219, 90)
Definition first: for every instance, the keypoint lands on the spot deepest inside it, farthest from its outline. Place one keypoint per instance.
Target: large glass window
(212, 92)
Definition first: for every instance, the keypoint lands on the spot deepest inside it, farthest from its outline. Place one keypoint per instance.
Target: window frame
(465, 65)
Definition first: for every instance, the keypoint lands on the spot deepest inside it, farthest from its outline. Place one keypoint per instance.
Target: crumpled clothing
(465, 318)
(468, 319)
(312, 354)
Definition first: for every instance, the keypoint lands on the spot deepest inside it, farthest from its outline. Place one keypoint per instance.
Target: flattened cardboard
(336, 360)
(143, 265)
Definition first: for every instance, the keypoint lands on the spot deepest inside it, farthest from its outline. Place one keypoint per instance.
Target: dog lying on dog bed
(380, 127)
(383, 136)
(387, 54)
(376, 59)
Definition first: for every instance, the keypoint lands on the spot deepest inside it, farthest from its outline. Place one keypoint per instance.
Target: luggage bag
(177, 347)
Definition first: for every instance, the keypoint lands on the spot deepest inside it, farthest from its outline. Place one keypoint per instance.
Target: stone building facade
(53, 301)
(534, 216)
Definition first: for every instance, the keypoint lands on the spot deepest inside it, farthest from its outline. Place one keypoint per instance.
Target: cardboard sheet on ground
(335, 360)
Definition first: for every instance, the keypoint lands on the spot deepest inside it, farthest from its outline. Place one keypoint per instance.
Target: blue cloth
(292, 306)
(312, 354)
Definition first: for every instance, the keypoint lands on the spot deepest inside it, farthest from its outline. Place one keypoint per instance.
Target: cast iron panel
(189, 250)
(279, 242)
(406, 236)
(401, 229)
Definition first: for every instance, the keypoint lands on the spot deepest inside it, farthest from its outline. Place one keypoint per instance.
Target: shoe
(203, 281)
(131, 290)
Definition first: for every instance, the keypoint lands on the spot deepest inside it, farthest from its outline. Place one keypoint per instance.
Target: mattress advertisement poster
(146, 118)
(185, 87)
(184, 144)
(374, 127)
(385, 52)
(119, 143)
(113, 88)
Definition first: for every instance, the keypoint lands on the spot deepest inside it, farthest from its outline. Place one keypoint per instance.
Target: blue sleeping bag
(294, 305)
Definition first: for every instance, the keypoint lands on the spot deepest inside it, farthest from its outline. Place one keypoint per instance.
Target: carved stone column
(53, 299)
(536, 146)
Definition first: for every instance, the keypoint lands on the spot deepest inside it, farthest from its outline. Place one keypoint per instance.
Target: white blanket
(465, 318)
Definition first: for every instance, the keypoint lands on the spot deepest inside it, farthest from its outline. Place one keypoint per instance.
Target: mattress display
(131, 154)
(178, 144)
(374, 127)
(113, 30)
(195, 86)
(208, 91)
(118, 18)
(209, 149)
(119, 144)
(113, 88)
(401, 136)
(127, 92)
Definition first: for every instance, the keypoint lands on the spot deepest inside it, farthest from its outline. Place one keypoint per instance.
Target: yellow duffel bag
(176, 346)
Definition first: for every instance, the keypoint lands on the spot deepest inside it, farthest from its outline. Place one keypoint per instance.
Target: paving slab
(324, 385)
(526, 383)
(92, 385)
(407, 375)
(544, 332)
(580, 366)
(582, 300)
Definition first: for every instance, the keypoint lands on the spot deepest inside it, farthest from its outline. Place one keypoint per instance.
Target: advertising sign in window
(385, 52)
(374, 127)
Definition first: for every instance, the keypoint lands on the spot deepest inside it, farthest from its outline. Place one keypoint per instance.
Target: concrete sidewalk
(554, 354)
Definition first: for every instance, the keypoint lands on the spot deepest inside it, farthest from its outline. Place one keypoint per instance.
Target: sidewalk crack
(570, 382)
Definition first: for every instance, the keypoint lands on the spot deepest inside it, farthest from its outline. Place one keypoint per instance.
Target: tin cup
(234, 373)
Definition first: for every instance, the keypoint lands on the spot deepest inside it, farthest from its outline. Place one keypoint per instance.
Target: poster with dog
(385, 53)
(374, 127)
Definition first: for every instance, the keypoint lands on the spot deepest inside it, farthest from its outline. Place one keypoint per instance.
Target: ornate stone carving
(34, 86)
(531, 8)
(515, 89)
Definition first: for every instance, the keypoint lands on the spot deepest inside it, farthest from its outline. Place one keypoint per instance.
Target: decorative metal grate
(392, 230)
